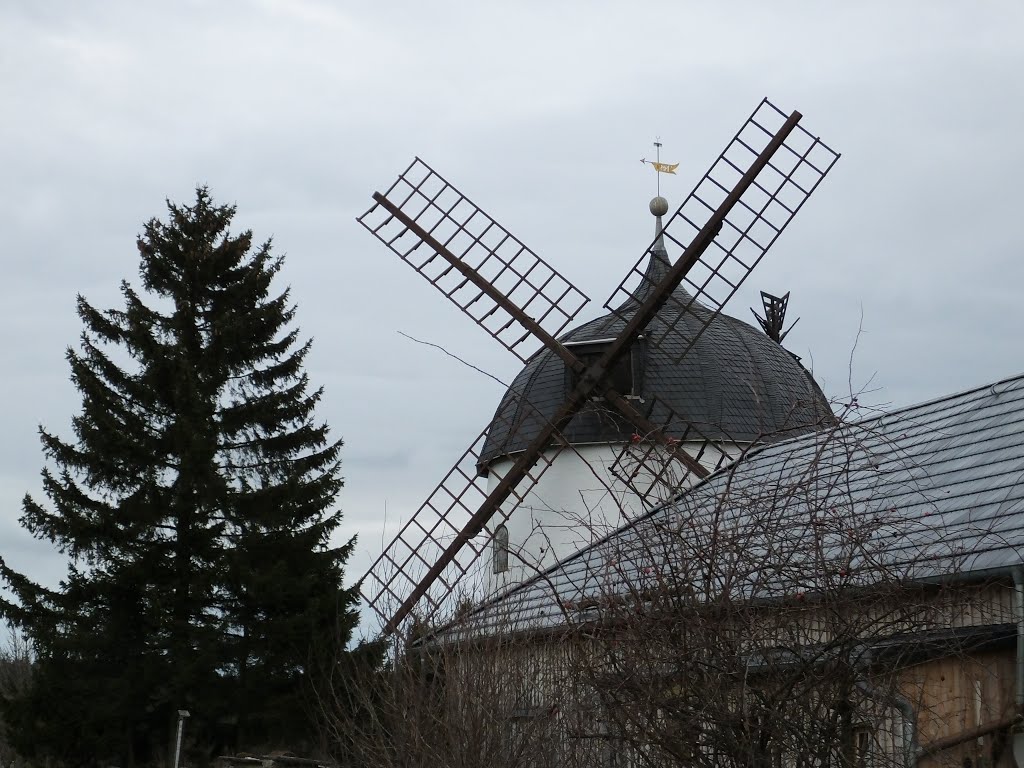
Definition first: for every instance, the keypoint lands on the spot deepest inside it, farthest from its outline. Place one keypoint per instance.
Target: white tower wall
(577, 501)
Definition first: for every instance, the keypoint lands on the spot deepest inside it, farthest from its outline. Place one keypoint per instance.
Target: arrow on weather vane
(659, 166)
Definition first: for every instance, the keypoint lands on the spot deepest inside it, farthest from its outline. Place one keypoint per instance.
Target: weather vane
(659, 166)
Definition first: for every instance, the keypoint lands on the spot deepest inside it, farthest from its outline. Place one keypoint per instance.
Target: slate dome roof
(735, 384)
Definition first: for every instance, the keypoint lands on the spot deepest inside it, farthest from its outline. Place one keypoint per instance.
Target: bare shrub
(785, 613)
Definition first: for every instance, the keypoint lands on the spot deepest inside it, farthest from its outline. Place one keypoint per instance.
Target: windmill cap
(735, 385)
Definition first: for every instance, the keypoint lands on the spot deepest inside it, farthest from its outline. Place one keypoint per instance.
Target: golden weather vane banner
(661, 167)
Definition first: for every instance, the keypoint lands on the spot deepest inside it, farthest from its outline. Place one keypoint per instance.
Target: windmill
(714, 240)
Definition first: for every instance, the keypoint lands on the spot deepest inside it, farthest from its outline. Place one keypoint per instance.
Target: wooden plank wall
(952, 694)
(956, 694)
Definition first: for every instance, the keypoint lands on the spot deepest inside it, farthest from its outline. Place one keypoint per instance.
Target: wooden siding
(955, 694)
(953, 691)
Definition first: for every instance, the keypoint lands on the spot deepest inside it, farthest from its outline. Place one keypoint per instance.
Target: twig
(468, 364)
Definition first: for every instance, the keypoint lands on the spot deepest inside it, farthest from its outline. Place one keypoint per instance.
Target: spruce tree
(195, 504)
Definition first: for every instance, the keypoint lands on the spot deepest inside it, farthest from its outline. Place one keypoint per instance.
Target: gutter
(911, 751)
(1016, 733)
(1018, 586)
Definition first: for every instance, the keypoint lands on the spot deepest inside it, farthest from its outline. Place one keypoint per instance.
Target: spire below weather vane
(659, 166)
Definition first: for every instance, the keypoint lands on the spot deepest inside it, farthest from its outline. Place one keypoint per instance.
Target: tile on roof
(929, 490)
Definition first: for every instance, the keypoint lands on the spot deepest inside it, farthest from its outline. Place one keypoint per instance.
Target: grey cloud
(297, 111)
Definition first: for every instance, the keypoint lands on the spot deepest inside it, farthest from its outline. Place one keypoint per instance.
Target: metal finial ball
(659, 206)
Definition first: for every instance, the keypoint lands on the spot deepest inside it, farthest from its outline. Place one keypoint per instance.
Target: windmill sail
(657, 471)
(482, 268)
(746, 212)
(397, 580)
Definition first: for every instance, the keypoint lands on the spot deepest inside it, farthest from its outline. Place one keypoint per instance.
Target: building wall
(955, 694)
(952, 685)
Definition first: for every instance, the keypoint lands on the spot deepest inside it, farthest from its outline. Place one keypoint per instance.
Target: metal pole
(182, 714)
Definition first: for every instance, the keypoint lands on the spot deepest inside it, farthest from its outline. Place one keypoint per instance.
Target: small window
(499, 556)
(621, 376)
(862, 739)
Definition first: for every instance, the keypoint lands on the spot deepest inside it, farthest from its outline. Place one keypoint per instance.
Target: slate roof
(736, 384)
(936, 490)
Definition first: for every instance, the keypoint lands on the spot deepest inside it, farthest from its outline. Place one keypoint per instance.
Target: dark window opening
(622, 375)
(499, 554)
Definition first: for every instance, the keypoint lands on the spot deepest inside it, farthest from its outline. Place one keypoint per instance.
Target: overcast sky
(298, 110)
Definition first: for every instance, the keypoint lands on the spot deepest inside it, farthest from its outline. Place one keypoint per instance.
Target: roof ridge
(942, 398)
